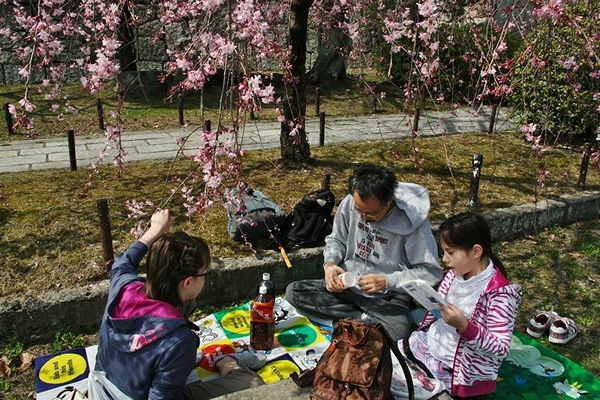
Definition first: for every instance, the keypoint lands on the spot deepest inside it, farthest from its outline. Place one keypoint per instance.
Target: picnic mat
(531, 372)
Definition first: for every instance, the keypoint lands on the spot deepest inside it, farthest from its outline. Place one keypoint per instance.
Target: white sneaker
(541, 322)
(562, 330)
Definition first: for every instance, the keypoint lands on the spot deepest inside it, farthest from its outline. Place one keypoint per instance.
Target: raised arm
(160, 222)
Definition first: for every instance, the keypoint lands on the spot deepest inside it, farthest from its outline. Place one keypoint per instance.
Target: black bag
(252, 215)
(311, 219)
(357, 365)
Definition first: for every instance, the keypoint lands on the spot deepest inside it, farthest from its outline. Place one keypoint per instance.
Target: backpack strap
(394, 348)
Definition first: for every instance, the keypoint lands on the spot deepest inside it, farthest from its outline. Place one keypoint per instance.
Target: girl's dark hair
(465, 230)
(370, 180)
(172, 258)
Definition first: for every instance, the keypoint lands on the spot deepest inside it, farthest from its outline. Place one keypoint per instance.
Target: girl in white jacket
(466, 347)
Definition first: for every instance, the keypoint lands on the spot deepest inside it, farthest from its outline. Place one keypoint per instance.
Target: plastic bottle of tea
(262, 320)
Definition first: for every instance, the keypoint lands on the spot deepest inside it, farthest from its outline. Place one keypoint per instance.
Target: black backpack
(252, 215)
(311, 219)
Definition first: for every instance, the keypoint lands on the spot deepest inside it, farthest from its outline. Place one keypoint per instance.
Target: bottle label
(261, 312)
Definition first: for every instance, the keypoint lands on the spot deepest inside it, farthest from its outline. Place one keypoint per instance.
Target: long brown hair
(172, 258)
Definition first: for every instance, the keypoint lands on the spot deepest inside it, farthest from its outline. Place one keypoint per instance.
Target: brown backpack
(357, 365)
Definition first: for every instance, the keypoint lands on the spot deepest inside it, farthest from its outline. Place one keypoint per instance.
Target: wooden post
(9, 121)
(105, 234)
(585, 161)
(477, 163)
(326, 181)
(318, 100)
(180, 107)
(72, 156)
(207, 125)
(492, 118)
(322, 129)
(415, 127)
(100, 112)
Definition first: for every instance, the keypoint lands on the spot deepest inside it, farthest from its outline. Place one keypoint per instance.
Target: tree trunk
(330, 65)
(127, 52)
(295, 150)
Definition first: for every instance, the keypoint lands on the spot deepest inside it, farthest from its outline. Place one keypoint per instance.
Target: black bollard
(477, 163)
(415, 126)
(585, 161)
(105, 234)
(72, 156)
(322, 129)
(492, 119)
(9, 121)
(318, 101)
(180, 107)
(326, 181)
(100, 112)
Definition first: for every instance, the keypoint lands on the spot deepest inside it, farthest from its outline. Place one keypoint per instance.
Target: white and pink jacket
(486, 341)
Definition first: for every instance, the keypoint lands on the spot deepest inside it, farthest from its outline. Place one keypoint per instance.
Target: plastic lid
(262, 289)
(266, 276)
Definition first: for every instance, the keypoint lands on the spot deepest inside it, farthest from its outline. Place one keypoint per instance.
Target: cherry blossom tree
(441, 53)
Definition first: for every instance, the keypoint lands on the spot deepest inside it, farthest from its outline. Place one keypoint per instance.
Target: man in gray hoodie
(381, 232)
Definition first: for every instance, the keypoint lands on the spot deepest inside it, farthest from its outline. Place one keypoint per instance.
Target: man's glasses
(372, 215)
(202, 274)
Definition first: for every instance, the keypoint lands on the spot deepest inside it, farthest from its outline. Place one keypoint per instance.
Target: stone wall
(151, 54)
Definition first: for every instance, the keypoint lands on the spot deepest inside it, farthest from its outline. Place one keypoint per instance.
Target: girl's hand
(160, 223)
(454, 317)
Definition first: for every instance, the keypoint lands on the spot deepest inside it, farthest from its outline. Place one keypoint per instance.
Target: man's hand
(331, 277)
(372, 283)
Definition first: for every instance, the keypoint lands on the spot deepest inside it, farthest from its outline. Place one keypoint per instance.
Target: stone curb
(36, 319)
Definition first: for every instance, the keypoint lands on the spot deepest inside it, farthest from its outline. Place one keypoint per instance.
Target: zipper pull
(331, 347)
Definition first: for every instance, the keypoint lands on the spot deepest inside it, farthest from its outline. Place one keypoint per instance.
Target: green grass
(555, 274)
(50, 235)
(66, 340)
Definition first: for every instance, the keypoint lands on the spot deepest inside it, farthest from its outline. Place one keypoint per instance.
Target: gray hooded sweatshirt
(400, 246)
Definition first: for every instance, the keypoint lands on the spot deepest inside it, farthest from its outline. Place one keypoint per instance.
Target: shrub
(556, 81)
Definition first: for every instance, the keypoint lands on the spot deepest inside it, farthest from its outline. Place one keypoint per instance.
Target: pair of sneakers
(562, 330)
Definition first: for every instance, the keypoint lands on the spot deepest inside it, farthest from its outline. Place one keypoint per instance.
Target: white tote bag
(100, 388)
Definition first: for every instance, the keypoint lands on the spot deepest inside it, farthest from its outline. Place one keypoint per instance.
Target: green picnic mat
(532, 371)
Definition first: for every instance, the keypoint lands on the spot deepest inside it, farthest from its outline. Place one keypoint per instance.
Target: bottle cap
(266, 276)
(262, 289)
